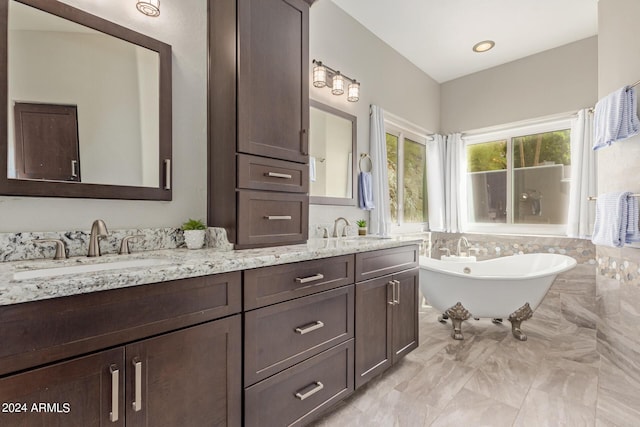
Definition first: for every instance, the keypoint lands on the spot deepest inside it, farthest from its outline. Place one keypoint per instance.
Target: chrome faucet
(335, 226)
(460, 241)
(98, 229)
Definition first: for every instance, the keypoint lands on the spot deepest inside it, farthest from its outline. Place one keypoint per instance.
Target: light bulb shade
(319, 76)
(353, 92)
(149, 7)
(338, 84)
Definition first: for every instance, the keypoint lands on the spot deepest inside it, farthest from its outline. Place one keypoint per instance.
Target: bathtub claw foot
(457, 314)
(516, 319)
(443, 319)
(496, 321)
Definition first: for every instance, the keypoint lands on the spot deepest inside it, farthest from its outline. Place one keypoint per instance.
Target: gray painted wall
(387, 79)
(183, 25)
(555, 81)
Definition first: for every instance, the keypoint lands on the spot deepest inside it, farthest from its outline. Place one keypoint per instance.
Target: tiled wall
(618, 339)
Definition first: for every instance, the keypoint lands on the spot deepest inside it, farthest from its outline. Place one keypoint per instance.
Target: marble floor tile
(474, 409)
(472, 351)
(504, 379)
(438, 383)
(579, 310)
(542, 409)
(578, 346)
(568, 380)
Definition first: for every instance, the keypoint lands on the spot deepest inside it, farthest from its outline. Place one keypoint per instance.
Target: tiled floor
(490, 378)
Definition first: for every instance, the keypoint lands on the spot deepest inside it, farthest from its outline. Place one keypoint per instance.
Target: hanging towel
(312, 169)
(616, 220)
(365, 191)
(615, 118)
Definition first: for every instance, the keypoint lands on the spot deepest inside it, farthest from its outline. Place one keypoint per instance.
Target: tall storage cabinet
(259, 120)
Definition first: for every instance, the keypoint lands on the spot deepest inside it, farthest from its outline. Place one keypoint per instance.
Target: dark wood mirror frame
(17, 187)
(341, 201)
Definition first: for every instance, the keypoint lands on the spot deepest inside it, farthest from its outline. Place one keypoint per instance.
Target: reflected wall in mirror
(88, 106)
(332, 144)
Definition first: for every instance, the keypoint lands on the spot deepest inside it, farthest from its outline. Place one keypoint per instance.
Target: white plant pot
(194, 238)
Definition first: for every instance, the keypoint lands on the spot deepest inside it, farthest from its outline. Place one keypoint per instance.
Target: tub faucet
(98, 229)
(344, 229)
(460, 241)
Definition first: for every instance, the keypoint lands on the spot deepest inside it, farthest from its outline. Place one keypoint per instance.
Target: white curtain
(583, 184)
(380, 218)
(436, 155)
(446, 160)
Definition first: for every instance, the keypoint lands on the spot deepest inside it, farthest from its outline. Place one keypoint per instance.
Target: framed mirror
(332, 144)
(85, 106)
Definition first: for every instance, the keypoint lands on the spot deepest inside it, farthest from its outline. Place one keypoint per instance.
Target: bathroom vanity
(289, 331)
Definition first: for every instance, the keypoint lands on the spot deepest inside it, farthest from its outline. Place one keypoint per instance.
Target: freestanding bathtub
(508, 287)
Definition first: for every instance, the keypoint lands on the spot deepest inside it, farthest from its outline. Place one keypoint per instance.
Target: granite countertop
(173, 264)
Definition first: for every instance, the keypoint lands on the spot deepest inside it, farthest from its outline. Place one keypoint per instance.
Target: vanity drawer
(268, 218)
(261, 173)
(385, 261)
(40, 332)
(298, 395)
(284, 334)
(270, 285)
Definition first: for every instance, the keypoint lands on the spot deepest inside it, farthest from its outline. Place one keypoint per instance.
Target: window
(407, 170)
(519, 179)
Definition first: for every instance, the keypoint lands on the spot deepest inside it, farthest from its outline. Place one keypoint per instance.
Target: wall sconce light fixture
(324, 76)
(149, 7)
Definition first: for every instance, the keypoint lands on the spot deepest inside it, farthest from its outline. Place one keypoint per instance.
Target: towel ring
(364, 156)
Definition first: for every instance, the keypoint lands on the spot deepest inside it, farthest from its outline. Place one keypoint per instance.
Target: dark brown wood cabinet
(258, 120)
(164, 354)
(386, 309)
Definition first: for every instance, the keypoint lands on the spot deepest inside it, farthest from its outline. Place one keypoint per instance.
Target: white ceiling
(437, 35)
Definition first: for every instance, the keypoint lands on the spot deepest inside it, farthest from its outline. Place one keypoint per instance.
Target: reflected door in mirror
(46, 142)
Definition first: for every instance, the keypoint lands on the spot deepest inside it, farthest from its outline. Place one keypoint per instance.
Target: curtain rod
(591, 198)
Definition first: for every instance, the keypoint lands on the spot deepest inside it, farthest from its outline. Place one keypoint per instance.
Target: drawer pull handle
(309, 328)
(137, 403)
(393, 292)
(318, 386)
(277, 217)
(310, 278)
(115, 393)
(397, 301)
(279, 175)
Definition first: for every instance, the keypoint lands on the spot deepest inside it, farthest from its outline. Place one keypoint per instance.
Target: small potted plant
(194, 231)
(362, 227)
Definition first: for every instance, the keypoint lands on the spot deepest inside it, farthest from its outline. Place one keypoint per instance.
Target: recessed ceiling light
(484, 46)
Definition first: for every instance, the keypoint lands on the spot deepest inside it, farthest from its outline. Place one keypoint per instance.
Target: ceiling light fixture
(484, 46)
(324, 76)
(149, 7)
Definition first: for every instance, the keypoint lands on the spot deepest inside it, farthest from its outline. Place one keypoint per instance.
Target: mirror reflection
(83, 106)
(332, 142)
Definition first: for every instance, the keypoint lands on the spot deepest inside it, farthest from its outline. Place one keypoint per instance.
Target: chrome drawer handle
(393, 292)
(279, 175)
(318, 386)
(397, 292)
(276, 217)
(115, 382)
(309, 328)
(167, 174)
(137, 403)
(310, 278)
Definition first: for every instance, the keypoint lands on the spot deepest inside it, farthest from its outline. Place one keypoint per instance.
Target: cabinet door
(273, 78)
(83, 392)
(186, 378)
(373, 328)
(405, 314)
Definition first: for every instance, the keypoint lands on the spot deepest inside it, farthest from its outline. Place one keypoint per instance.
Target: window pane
(392, 169)
(540, 178)
(487, 181)
(415, 182)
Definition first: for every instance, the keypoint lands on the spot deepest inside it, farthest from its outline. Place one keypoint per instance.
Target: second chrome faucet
(98, 229)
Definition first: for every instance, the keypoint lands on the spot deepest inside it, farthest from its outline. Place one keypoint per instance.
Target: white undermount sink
(88, 268)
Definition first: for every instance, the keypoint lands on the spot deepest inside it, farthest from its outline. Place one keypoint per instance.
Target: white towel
(616, 220)
(615, 118)
(312, 169)
(365, 191)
